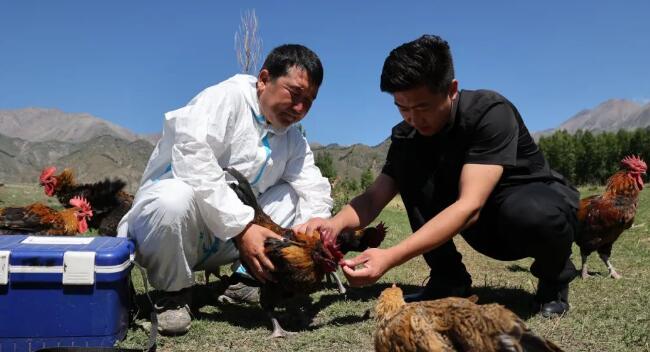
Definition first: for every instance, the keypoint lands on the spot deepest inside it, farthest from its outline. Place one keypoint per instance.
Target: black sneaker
(240, 290)
(173, 312)
(552, 299)
(554, 308)
(434, 290)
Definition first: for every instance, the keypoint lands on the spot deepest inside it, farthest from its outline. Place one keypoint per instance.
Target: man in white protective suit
(185, 217)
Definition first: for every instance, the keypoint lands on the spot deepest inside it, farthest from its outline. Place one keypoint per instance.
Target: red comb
(634, 163)
(47, 172)
(81, 203)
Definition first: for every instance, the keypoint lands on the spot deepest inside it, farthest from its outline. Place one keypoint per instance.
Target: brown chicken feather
(301, 260)
(40, 219)
(110, 202)
(450, 324)
(602, 218)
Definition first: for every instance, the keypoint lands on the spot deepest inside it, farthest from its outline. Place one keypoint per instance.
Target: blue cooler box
(63, 291)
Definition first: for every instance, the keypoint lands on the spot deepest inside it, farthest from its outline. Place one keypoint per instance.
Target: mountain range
(611, 115)
(33, 138)
(40, 125)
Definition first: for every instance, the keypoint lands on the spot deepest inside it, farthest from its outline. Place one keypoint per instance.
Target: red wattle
(82, 226)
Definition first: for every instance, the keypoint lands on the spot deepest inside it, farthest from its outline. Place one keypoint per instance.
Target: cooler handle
(78, 268)
(4, 267)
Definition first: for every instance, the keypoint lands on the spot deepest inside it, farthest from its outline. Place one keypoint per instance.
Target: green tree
(559, 149)
(588, 158)
(351, 186)
(639, 143)
(591, 158)
(326, 165)
(366, 179)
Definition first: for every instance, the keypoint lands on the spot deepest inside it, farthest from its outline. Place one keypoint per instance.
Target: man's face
(424, 110)
(287, 99)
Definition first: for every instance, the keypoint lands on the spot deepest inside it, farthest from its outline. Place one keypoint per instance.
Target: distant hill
(151, 138)
(40, 125)
(104, 156)
(20, 159)
(33, 138)
(351, 161)
(611, 115)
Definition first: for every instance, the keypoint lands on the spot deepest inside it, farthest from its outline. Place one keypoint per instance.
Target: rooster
(301, 260)
(602, 218)
(357, 241)
(42, 220)
(109, 201)
(450, 324)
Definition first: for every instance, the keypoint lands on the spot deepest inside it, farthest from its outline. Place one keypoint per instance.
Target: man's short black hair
(424, 61)
(286, 56)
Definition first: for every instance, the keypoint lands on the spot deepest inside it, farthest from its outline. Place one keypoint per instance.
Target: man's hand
(375, 263)
(326, 227)
(251, 251)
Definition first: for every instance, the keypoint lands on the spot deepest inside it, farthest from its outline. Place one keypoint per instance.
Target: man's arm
(194, 160)
(475, 186)
(361, 211)
(201, 132)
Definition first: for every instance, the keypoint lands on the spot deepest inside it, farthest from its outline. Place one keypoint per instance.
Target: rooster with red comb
(301, 259)
(602, 218)
(110, 202)
(40, 219)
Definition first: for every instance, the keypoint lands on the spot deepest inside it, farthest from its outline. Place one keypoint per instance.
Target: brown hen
(450, 324)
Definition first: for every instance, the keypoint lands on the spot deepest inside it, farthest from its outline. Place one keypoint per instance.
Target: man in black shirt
(463, 162)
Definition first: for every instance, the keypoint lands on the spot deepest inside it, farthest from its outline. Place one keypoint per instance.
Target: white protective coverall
(185, 215)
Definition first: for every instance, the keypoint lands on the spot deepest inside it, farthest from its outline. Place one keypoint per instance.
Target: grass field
(605, 315)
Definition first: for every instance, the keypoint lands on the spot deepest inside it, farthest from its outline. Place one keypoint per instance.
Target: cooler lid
(77, 259)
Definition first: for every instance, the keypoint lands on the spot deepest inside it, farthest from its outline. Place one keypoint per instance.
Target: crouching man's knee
(162, 210)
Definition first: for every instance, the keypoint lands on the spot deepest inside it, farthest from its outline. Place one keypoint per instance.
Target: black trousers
(529, 220)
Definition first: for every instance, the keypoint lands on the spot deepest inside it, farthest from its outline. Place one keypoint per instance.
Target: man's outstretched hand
(326, 227)
(372, 264)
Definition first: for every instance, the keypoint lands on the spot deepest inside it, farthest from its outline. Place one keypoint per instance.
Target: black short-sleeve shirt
(485, 128)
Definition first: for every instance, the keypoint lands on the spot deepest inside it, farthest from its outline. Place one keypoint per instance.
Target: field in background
(605, 315)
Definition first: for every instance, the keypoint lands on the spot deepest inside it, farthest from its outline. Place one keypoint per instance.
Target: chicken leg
(278, 331)
(610, 267)
(583, 270)
(339, 284)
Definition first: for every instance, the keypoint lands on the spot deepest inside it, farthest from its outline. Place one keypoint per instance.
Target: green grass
(605, 315)
(24, 194)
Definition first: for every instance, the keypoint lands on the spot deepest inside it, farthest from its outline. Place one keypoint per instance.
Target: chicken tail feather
(533, 343)
(243, 190)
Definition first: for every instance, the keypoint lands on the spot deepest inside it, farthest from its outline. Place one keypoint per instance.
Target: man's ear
(453, 89)
(263, 78)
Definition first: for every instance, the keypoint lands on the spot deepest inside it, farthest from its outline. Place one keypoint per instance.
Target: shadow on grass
(372, 292)
(592, 274)
(296, 314)
(516, 268)
(299, 313)
(517, 300)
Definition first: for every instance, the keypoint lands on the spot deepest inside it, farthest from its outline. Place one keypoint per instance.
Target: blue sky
(131, 61)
